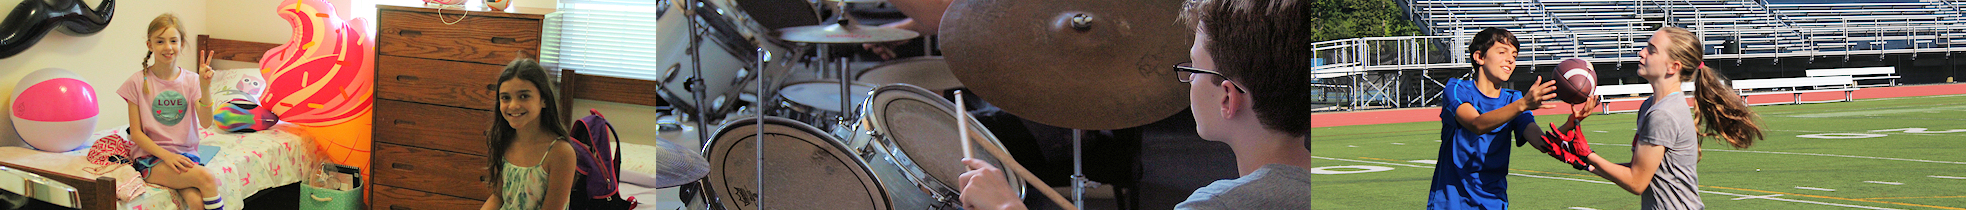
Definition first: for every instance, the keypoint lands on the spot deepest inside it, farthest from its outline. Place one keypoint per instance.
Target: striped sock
(214, 203)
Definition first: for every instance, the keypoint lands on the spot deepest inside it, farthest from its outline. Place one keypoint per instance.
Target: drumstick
(1026, 174)
(962, 123)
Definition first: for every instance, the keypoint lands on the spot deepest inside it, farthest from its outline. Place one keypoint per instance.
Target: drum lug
(873, 135)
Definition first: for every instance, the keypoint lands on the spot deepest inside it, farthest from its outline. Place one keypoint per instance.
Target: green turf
(1785, 161)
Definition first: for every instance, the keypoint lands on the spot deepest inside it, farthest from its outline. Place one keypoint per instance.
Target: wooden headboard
(234, 50)
(604, 88)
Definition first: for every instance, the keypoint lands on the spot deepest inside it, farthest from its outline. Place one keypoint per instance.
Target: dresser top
(516, 12)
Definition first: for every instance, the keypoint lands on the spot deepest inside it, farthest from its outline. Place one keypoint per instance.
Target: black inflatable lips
(34, 18)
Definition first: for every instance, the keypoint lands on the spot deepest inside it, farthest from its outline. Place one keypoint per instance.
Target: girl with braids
(1666, 150)
(167, 108)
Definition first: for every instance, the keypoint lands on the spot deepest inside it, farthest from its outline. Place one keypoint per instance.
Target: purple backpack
(597, 185)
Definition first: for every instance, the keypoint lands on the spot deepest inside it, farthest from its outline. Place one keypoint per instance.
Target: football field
(1883, 153)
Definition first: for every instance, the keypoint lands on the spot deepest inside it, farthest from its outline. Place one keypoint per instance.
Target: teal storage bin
(314, 198)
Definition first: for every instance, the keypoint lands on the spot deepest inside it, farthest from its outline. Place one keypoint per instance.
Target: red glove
(1569, 147)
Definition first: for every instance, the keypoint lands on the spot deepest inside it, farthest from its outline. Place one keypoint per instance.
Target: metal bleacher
(1615, 31)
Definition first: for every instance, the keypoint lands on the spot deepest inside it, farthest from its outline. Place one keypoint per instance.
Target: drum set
(799, 130)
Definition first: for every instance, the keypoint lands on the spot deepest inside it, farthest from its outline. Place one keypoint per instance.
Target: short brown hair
(1488, 38)
(1263, 45)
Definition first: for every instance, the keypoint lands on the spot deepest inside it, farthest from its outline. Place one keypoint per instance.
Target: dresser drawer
(430, 126)
(450, 83)
(481, 39)
(394, 198)
(441, 172)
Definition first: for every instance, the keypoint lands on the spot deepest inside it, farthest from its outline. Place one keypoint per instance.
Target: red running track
(1433, 113)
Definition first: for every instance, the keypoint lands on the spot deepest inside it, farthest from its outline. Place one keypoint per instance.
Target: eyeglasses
(1185, 71)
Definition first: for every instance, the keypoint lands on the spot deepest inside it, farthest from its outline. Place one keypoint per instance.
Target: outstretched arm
(1634, 178)
(1482, 123)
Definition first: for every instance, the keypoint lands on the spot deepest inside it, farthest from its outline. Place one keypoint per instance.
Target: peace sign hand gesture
(205, 71)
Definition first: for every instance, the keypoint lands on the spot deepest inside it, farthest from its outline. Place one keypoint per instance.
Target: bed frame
(574, 85)
(100, 193)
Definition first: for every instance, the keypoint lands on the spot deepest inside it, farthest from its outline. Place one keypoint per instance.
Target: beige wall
(104, 59)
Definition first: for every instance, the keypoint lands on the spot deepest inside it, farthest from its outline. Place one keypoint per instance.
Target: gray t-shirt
(1669, 122)
(1275, 186)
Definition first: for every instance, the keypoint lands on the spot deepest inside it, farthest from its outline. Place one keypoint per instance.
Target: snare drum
(914, 129)
(804, 168)
(931, 73)
(817, 103)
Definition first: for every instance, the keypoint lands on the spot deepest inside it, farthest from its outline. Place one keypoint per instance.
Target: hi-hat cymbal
(844, 33)
(859, 1)
(1084, 64)
(678, 165)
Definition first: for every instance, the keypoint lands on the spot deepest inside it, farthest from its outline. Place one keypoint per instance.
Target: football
(1575, 80)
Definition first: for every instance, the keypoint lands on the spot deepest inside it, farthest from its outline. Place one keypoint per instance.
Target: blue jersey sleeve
(1516, 125)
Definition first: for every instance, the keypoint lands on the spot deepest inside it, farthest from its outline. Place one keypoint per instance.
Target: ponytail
(1721, 113)
(146, 60)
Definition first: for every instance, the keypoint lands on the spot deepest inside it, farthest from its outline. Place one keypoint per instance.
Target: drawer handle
(401, 166)
(503, 40)
(405, 122)
(409, 33)
(492, 87)
(407, 78)
(394, 207)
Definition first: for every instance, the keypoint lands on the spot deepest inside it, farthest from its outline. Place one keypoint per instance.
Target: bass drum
(804, 168)
(729, 47)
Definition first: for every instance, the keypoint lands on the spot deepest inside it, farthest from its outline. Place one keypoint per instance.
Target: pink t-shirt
(170, 116)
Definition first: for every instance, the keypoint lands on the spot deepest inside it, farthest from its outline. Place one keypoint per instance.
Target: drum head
(804, 169)
(924, 127)
(823, 95)
(931, 73)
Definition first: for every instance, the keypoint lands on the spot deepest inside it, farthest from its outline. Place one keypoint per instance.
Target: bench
(1633, 89)
(1868, 73)
(1793, 87)
(1789, 86)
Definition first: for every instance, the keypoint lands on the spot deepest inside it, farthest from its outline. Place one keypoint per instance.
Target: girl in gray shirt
(1666, 151)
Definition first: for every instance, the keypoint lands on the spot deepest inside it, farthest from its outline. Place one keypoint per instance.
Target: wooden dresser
(434, 82)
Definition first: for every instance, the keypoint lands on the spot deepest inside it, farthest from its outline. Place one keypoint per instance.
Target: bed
(246, 163)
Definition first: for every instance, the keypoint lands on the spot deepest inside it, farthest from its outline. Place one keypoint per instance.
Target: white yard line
(1816, 189)
(1757, 197)
(1883, 182)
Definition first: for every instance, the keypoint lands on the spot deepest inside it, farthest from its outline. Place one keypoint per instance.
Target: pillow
(244, 83)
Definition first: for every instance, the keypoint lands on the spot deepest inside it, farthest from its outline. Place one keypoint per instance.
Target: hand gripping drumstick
(963, 123)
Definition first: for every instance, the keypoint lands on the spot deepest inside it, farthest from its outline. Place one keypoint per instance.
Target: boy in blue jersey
(1475, 114)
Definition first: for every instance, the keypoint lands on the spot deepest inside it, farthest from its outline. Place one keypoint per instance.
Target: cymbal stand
(1078, 169)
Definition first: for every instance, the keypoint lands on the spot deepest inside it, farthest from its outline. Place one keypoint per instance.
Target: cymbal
(844, 33)
(1083, 64)
(678, 165)
(859, 1)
